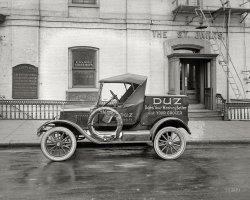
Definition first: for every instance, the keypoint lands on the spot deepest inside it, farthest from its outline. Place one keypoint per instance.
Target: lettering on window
(83, 67)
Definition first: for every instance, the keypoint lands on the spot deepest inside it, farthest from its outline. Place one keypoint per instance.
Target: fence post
(226, 111)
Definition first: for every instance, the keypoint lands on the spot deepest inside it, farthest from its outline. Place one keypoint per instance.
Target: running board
(136, 136)
(141, 136)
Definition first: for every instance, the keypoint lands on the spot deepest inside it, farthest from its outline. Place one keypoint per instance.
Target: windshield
(121, 90)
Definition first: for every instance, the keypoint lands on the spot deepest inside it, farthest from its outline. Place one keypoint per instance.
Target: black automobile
(122, 114)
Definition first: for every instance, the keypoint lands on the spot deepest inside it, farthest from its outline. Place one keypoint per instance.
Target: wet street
(203, 172)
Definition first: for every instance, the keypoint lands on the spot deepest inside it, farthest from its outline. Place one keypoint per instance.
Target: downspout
(245, 55)
(126, 21)
(227, 51)
(39, 46)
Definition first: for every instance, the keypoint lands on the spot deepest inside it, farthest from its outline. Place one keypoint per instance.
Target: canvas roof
(125, 78)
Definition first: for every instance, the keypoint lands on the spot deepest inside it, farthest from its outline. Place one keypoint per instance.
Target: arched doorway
(192, 71)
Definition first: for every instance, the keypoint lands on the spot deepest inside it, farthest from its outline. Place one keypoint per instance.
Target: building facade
(58, 50)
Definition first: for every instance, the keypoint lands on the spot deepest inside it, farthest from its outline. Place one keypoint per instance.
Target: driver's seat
(133, 104)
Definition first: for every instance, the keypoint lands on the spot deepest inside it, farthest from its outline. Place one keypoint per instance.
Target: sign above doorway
(204, 35)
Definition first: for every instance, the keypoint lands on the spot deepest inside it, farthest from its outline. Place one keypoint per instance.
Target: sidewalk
(219, 132)
(23, 132)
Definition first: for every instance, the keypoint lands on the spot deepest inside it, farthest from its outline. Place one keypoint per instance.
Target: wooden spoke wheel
(58, 144)
(169, 143)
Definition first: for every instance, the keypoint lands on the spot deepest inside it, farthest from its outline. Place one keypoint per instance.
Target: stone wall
(130, 36)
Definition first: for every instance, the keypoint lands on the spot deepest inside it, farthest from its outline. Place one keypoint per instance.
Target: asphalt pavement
(208, 172)
(23, 132)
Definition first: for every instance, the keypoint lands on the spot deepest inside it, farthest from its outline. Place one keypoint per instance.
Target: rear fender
(67, 124)
(169, 121)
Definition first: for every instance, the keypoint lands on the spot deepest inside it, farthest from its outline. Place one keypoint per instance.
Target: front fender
(67, 124)
(44, 127)
(168, 121)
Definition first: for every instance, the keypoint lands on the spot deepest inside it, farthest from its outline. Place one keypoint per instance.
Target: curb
(17, 145)
(197, 142)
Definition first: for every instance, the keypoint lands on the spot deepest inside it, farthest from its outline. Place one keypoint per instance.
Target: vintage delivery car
(122, 114)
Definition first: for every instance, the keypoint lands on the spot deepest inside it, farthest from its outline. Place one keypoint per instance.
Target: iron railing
(221, 104)
(36, 109)
(49, 109)
(239, 110)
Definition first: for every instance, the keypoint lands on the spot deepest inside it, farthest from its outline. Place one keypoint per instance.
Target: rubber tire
(72, 150)
(166, 156)
(118, 118)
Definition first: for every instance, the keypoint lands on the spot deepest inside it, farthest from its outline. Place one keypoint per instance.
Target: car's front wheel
(169, 143)
(58, 144)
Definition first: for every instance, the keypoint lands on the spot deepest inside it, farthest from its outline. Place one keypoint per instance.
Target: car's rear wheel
(58, 144)
(169, 143)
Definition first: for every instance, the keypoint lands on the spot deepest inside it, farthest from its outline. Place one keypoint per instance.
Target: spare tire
(104, 118)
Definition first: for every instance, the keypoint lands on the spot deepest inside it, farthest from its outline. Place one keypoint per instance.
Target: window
(83, 66)
(186, 51)
(189, 2)
(191, 48)
(83, 3)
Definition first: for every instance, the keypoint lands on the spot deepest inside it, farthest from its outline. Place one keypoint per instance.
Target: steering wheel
(114, 95)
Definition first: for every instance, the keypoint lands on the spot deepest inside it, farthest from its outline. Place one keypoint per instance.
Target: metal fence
(36, 109)
(48, 109)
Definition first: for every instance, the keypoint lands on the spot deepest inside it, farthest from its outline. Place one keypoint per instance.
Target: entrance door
(191, 74)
